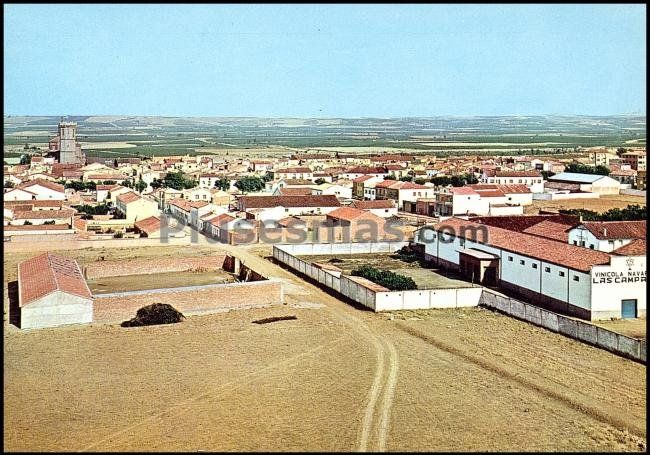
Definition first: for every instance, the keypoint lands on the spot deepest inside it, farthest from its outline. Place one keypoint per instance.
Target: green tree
(267, 177)
(141, 185)
(9, 184)
(178, 181)
(222, 183)
(156, 183)
(319, 181)
(584, 169)
(386, 278)
(547, 174)
(109, 182)
(249, 184)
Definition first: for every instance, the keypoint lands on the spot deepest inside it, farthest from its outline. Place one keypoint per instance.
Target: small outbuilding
(52, 291)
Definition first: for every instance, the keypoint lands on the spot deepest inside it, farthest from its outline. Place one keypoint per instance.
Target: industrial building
(553, 274)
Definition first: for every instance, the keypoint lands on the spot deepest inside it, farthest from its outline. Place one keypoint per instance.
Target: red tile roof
(298, 182)
(44, 183)
(550, 230)
(37, 227)
(636, 247)
(114, 177)
(43, 214)
(46, 273)
(148, 225)
(128, 197)
(517, 174)
(251, 202)
(366, 170)
(463, 191)
(505, 189)
(551, 251)
(361, 179)
(295, 191)
(376, 204)
(221, 219)
(347, 213)
(294, 170)
(186, 205)
(43, 203)
(608, 230)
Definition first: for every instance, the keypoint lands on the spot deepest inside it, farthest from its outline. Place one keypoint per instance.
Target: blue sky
(324, 60)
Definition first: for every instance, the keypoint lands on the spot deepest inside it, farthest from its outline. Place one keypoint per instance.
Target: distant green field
(440, 136)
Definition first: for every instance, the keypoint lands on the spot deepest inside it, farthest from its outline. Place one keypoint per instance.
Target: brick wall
(189, 300)
(156, 265)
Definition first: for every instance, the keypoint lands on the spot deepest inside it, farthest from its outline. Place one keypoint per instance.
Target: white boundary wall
(377, 301)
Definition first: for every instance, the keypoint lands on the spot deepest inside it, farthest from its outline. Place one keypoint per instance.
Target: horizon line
(330, 117)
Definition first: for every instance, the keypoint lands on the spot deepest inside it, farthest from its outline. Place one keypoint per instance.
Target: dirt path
(375, 425)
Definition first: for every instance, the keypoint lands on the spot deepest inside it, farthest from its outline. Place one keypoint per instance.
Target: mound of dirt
(154, 314)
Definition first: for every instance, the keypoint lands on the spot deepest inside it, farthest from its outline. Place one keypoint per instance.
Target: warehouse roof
(46, 273)
(551, 251)
(575, 177)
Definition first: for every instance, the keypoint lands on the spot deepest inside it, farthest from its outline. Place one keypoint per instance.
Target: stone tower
(69, 149)
(68, 142)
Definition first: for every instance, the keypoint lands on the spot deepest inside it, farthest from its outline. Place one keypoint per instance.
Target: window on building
(534, 265)
(561, 273)
(576, 278)
(547, 269)
(462, 241)
(510, 258)
(591, 246)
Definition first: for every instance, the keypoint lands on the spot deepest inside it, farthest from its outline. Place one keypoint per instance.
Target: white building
(40, 189)
(607, 235)
(532, 179)
(565, 278)
(483, 199)
(52, 291)
(590, 183)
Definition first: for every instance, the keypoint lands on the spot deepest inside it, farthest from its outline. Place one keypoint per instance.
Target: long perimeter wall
(449, 298)
(355, 289)
(211, 298)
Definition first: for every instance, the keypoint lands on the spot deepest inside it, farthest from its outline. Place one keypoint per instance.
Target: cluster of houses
(593, 270)
(298, 185)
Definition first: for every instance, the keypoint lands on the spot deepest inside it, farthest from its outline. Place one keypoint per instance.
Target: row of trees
(175, 180)
(100, 209)
(586, 169)
(454, 180)
(630, 213)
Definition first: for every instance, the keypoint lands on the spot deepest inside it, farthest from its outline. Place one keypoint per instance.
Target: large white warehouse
(570, 279)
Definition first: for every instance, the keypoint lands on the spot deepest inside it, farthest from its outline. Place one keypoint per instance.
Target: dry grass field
(600, 205)
(335, 379)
